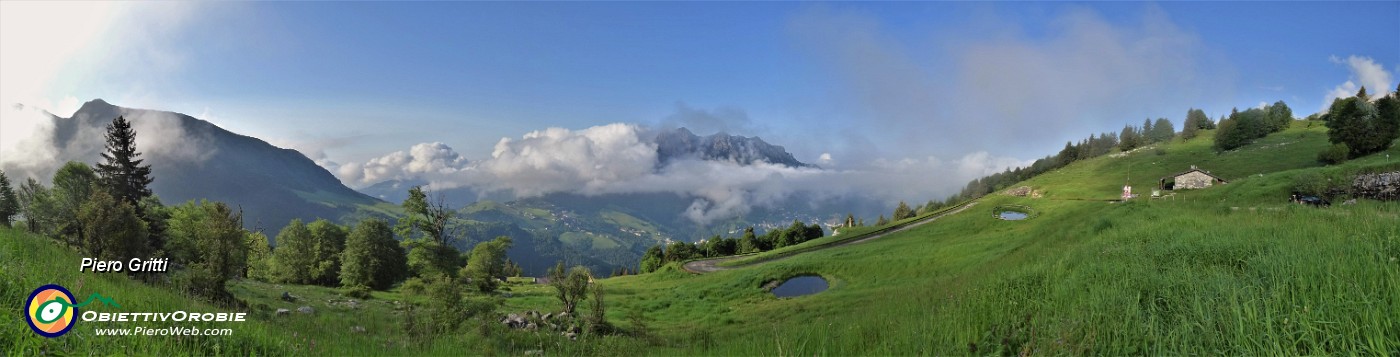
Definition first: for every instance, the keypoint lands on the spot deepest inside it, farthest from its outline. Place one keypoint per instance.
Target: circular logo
(50, 311)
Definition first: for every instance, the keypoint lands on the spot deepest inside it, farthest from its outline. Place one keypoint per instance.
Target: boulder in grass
(306, 310)
(283, 312)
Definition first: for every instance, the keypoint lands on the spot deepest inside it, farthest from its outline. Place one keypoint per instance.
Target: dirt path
(712, 265)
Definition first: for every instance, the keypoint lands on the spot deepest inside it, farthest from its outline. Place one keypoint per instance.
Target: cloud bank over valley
(622, 158)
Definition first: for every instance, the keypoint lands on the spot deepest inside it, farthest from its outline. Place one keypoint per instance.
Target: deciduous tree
(327, 242)
(72, 185)
(295, 254)
(210, 242)
(1361, 125)
(571, 287)
(487, 263)
(110, 229)
(372, 257)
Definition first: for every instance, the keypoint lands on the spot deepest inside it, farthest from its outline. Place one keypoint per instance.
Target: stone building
(1191, 179)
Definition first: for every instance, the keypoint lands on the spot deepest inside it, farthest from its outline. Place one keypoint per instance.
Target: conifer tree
(9, 202)
(121, 170)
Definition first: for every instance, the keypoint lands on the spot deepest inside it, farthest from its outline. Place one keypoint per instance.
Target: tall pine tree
(9, 202)
(121, 171)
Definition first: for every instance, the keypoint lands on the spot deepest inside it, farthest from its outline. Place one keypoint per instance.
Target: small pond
(801, 285)
(1012, 215)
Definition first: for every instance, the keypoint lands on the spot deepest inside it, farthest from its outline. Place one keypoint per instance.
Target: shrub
(445, 306)
(1333, 155)
(358, 292)
(1310, 183)
(414, 286)
(1328, 185)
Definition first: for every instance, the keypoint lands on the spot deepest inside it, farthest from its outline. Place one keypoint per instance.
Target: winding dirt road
(712, 265)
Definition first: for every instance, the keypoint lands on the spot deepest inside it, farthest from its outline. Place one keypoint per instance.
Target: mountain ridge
(681, 143)
(196, 159)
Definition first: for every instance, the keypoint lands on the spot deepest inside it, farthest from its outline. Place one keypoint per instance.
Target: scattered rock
(533, 314)
(514, 321)
(306, 310)
(532, 326)
(288, 297)
(771, 285)
(563, 316)
(571, 336)
(283, 312)
(534, 353)
(1022, 191)
(357, 329)
(1349, 202)
(547, 316)
(575, 329)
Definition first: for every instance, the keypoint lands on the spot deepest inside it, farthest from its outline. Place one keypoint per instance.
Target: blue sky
(859, 82)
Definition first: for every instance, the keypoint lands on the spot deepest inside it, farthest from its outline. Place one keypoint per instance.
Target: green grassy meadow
(1231, 270)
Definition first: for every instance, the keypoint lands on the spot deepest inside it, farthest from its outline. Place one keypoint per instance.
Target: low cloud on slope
(36, 143)
(621, 158)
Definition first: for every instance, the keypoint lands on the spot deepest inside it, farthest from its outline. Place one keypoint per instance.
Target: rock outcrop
(1382, 186)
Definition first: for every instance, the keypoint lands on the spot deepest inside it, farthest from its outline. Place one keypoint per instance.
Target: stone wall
(1381, 186)
(1193, 180)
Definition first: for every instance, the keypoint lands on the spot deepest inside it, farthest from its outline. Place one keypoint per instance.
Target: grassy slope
(28, 262)
(1189, 275)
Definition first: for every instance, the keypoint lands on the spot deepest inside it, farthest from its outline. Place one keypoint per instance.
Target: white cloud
(1364, 72)
(558, 159)
(435, 162)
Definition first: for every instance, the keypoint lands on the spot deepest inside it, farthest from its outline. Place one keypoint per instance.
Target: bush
(1310, 183)
(1160, 151)
(1333, 155)
(414, 286)
(1326, 185)
(358, 292)
(445, 306)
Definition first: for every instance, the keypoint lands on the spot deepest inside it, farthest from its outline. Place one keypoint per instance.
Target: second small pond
(800, 285)
(1012, 215)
